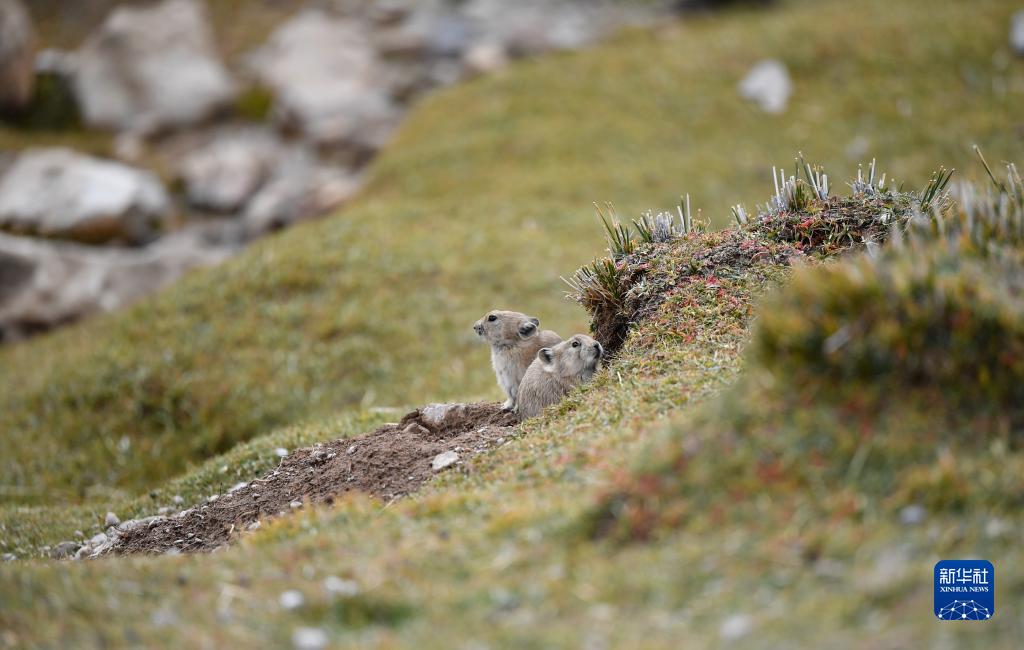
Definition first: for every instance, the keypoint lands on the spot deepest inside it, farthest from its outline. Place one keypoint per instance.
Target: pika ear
(528, 328)
(546, 355)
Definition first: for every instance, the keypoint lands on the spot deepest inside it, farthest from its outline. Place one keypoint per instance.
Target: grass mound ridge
(859, 373)
(802, 219)
(913, 317)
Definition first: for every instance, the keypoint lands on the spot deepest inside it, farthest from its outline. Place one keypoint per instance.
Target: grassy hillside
(642, 512)
(481, 202)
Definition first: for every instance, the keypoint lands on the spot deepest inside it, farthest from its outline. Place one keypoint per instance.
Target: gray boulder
(223, 174)
(17, 55)
(300, 188)
(151, 68)
(45, 284)
(62, 194)
(328, 81)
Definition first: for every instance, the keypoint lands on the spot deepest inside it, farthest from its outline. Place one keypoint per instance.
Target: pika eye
(575, 344)
(492, 318)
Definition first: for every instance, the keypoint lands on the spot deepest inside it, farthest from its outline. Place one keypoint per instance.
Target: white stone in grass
(111, 519)
(735, 627)
(768, 84)
(1017, 33)
(443, 460)
(339, 587)
(281, 452)
(292, 599)
(309, 638)
(912, 515)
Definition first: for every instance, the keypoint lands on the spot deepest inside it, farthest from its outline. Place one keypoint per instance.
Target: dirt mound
(388, 463)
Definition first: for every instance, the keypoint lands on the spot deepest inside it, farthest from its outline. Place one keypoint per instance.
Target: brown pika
(514, 339)
(556, 371)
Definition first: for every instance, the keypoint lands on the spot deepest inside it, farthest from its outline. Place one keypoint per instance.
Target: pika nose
(478, 328)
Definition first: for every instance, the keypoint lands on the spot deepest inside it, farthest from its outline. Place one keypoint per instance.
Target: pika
(514, 339)
(556, 371)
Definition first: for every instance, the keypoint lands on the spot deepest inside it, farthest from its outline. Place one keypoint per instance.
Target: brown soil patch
(389, 463)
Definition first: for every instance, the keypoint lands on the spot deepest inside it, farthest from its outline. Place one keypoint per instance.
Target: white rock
(444, 460)
(227, 171)
(339, 587)
(67, 195)
(46, 284)
(295, 505)
(177, 499)
(300, 189)
(17, 55)
(98, 539)
(153, 67)
(436, 414)
(281, 452)
(292, 599)
(485, 58)
(912, 515)
(111, 519)
(8, 557)
(735, 627)
(769, 85)
(1017, 33)
(328, 80)
(309, 638)
(535, 26)
(238, 486)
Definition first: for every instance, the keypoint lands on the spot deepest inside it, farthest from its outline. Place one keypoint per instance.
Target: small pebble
(339, 587)
(281, 452)
(309, 638)
(111, 519)
(912, 515)
(444, 460)
(292, 599)
(295, 504)
(178, 499)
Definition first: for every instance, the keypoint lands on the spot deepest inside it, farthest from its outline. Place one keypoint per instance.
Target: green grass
(641, 512)
(372, 307)
(481, 202)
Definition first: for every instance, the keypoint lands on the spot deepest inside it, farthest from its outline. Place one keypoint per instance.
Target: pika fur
(556, 371)
(514, 339)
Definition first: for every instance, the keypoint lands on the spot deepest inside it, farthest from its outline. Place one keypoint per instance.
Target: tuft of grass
(986, 219)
